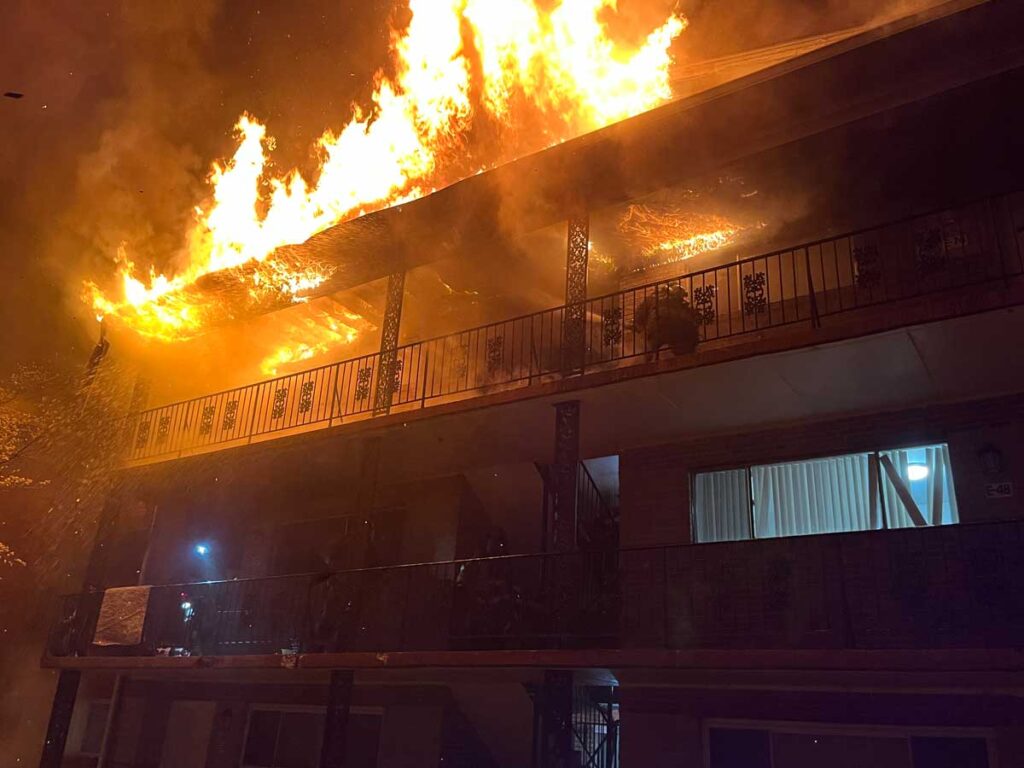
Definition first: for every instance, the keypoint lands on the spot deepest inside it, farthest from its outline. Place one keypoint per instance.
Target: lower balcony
(927, 588)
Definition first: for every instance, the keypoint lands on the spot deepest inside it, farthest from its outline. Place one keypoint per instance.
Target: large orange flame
(562, 61)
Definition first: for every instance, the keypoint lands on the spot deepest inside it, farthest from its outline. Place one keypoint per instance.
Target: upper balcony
(925, 268)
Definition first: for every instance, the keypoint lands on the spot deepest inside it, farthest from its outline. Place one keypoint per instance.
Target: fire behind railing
(926, 254)
(955, 586)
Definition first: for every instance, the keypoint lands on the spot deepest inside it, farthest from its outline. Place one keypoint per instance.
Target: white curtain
(832, 495)
(721, 506)
(933, 496)
(820, 496)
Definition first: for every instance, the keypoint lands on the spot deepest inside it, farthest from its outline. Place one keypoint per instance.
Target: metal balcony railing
(927, 254)
(597, 523)
(955, 586)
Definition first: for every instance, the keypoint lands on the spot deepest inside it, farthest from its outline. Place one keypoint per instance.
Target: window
(292, 738)
(903, 488)
(786, 745)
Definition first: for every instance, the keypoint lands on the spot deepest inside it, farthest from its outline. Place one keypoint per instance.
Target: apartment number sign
(999, 491)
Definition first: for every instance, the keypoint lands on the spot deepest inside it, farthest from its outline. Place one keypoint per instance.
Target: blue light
(202, 550)
(917, 472)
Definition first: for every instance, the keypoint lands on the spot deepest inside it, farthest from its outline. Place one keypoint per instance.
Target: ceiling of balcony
(932, 363)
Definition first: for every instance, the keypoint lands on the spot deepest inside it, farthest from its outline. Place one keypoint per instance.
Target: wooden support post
(389, 367)
(332, 754)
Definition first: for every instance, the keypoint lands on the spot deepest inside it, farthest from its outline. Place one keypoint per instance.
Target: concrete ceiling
(937, 362)
(496, 446)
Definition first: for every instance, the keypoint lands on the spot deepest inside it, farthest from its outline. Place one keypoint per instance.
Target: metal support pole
(60, 719)
(574, 332)
(563, 476)
(388, 368)
(555, 700)
(332, 753)
(562, 583)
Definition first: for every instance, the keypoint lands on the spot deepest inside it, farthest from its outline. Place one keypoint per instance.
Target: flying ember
(560, 68)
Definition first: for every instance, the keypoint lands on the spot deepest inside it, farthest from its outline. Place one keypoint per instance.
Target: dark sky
(126, 104)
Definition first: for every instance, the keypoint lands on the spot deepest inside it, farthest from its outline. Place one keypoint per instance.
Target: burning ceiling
(536, 76)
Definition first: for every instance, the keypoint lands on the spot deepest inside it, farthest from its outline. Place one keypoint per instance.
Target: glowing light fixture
(202, 549)
(917, 472)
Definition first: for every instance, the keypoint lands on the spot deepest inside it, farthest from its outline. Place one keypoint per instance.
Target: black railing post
(564, 476)
(339, 698)
(426, 378)
(815, 318)
(574, 322)
(255, 410)
(387, 369)
(335, 395)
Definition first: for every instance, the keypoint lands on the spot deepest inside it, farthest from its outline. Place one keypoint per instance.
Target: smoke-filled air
(456, 65)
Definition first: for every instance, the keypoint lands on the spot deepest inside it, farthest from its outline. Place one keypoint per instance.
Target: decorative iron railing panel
(955, 586)
(973, 244)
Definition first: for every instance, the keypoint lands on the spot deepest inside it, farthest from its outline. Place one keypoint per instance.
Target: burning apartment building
(723, 470)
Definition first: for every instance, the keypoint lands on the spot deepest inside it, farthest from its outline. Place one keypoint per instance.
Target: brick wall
(665, 726)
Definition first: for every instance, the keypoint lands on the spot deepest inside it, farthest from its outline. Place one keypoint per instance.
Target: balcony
(910, 271)
(923, 588)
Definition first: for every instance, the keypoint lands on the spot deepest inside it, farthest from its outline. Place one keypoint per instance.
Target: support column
(574, 332)
(555, 720)
(60, 719)
(332, 754)
(389, 368)
(562, 531)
